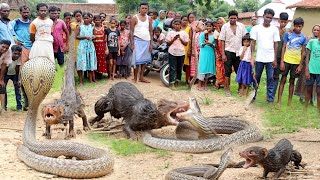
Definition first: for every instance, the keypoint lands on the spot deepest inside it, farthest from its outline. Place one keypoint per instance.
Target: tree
(265, 3)
(247, 5)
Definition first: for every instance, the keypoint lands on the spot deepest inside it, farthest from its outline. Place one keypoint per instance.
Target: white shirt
(265, 38)
(12, 67)
(233, 42)
(141, 29)
(247, 54)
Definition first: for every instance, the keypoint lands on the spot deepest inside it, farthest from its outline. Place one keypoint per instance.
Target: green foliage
(124, 147)
(247, 5)
(265, 3)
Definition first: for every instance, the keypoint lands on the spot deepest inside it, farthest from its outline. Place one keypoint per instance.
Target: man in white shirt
(231, 36)
(267, 38)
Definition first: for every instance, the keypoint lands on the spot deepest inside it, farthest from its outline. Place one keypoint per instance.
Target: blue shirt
(294, 47)
(5, 32)
(22, 32)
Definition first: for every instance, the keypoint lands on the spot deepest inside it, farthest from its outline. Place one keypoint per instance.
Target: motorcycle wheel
(164, 74)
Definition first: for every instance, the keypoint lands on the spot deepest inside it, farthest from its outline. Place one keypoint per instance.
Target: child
(112, 46)
(78, 21)
(283, 21)
(199, 27)
(293, 52)
(244, 74)
(176, 40)
(5, 59)
(312, 71)
(13, 74)
(87, 60)
(67, 20)
(207, 58)
(123, 59)
(158, 37)
(100, 46)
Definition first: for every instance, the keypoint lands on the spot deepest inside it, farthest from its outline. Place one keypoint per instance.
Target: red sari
(219, 65)
(100, 46)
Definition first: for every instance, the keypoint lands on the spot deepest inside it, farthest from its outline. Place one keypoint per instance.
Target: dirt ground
(152, 166)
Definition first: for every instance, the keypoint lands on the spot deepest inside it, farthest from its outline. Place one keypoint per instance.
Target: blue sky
(288, 2)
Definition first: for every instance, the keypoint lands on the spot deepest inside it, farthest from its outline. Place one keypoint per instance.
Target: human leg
(25, 99)
(269, 73)
(17, 92)
(141, 78)
(318, 98)
(6, 80)
(2, 97)
(291, 88)
(59, 56)
(172, 68)
(276, 74)
(80, 77)
(113, 68)
(235, 64)
(180, 60)
(228, 71)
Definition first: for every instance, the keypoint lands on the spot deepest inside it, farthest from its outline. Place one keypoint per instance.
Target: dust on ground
(153, 166)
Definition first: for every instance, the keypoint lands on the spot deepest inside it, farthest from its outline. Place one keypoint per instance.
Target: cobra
(37, 78)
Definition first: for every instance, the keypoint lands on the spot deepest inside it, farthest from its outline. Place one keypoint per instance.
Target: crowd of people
(202, 48)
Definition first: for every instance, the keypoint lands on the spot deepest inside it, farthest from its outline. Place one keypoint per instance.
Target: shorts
(2, 89)
(113, 55)
(59, 56)
(292, 68)
(232, 60)
(313, 78)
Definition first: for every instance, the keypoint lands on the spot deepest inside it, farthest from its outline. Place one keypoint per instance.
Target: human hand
(132, 47)
(299, 69)
(245, 48)
(307, 73)
(107, 52)
(274, 64)
(224, 58)
(93, 37)
(2, 83)
(150, 48)
(119, 52)
(282, 66)
(66, 49)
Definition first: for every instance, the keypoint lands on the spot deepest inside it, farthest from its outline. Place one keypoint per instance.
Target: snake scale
(239, 132)
(37, 77)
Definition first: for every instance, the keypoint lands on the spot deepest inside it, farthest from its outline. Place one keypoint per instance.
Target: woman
(186, 65)
(219, 63)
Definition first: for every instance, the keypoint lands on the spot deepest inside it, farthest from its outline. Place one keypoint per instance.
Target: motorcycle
(159, 63)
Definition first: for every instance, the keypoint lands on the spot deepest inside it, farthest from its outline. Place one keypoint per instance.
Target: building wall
(109, 9)
(245, 21)
(311, 18)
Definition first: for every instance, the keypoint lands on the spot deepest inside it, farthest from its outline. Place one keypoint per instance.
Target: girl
(158, 37)
(78, 21)
(113, 46)
(196, 50)
(244, 74)
(123, 59)
(67, 20)
(207, 59)
(219, 63)
(185, 26)
(87, 59)
(176, 40)
(300, 89)
(100, 46)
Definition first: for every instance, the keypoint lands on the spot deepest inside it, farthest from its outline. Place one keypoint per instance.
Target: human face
(209, 27)
(246, 43)
(283, 23)
(67, 19)
(192, 18)
(178, 15)
(25, 14)
(157, 33)
(113, 24)
(16, 55)
(162, 15)
(102, 17)
(42, 12)
(122, 26)
(154, 17)
(150, 14)
(267, 19)
(58, 14)
(316, 31)
(86, 19)
(53, 15)
(171, 14)
(4, 12)
(144, 9)
(177, 26)
(128, 19)
(253, 21)
(233, 20)
(3, 48)
(78, 17)
(297, 28)
(184, 21)
(97, 21)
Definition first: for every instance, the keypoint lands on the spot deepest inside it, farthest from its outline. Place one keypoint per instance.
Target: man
(21, 28)
(5, 30)
(40, 34)
(253, 23)
(59, 27)
(140, 38)
(231, 36)
(267, 38)
(5, 59)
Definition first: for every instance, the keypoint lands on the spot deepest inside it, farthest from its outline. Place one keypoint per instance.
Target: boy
(293, 51)
(267, 36)
(5, 58)
(13, 74)
(312, 70)
(283, 21)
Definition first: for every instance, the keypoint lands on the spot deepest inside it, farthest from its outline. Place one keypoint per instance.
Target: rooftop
(306, 4)
(246, 15)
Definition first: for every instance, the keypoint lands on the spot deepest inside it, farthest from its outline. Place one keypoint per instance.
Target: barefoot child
(293, 52)
(207, 59)
(313, 70)
(177, 40)
(100, 46)
(86, 60)
(158, 37)
(123, 59)
(112, 46)
(244, 74)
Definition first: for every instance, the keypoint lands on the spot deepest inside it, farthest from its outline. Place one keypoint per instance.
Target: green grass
(124, 147)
